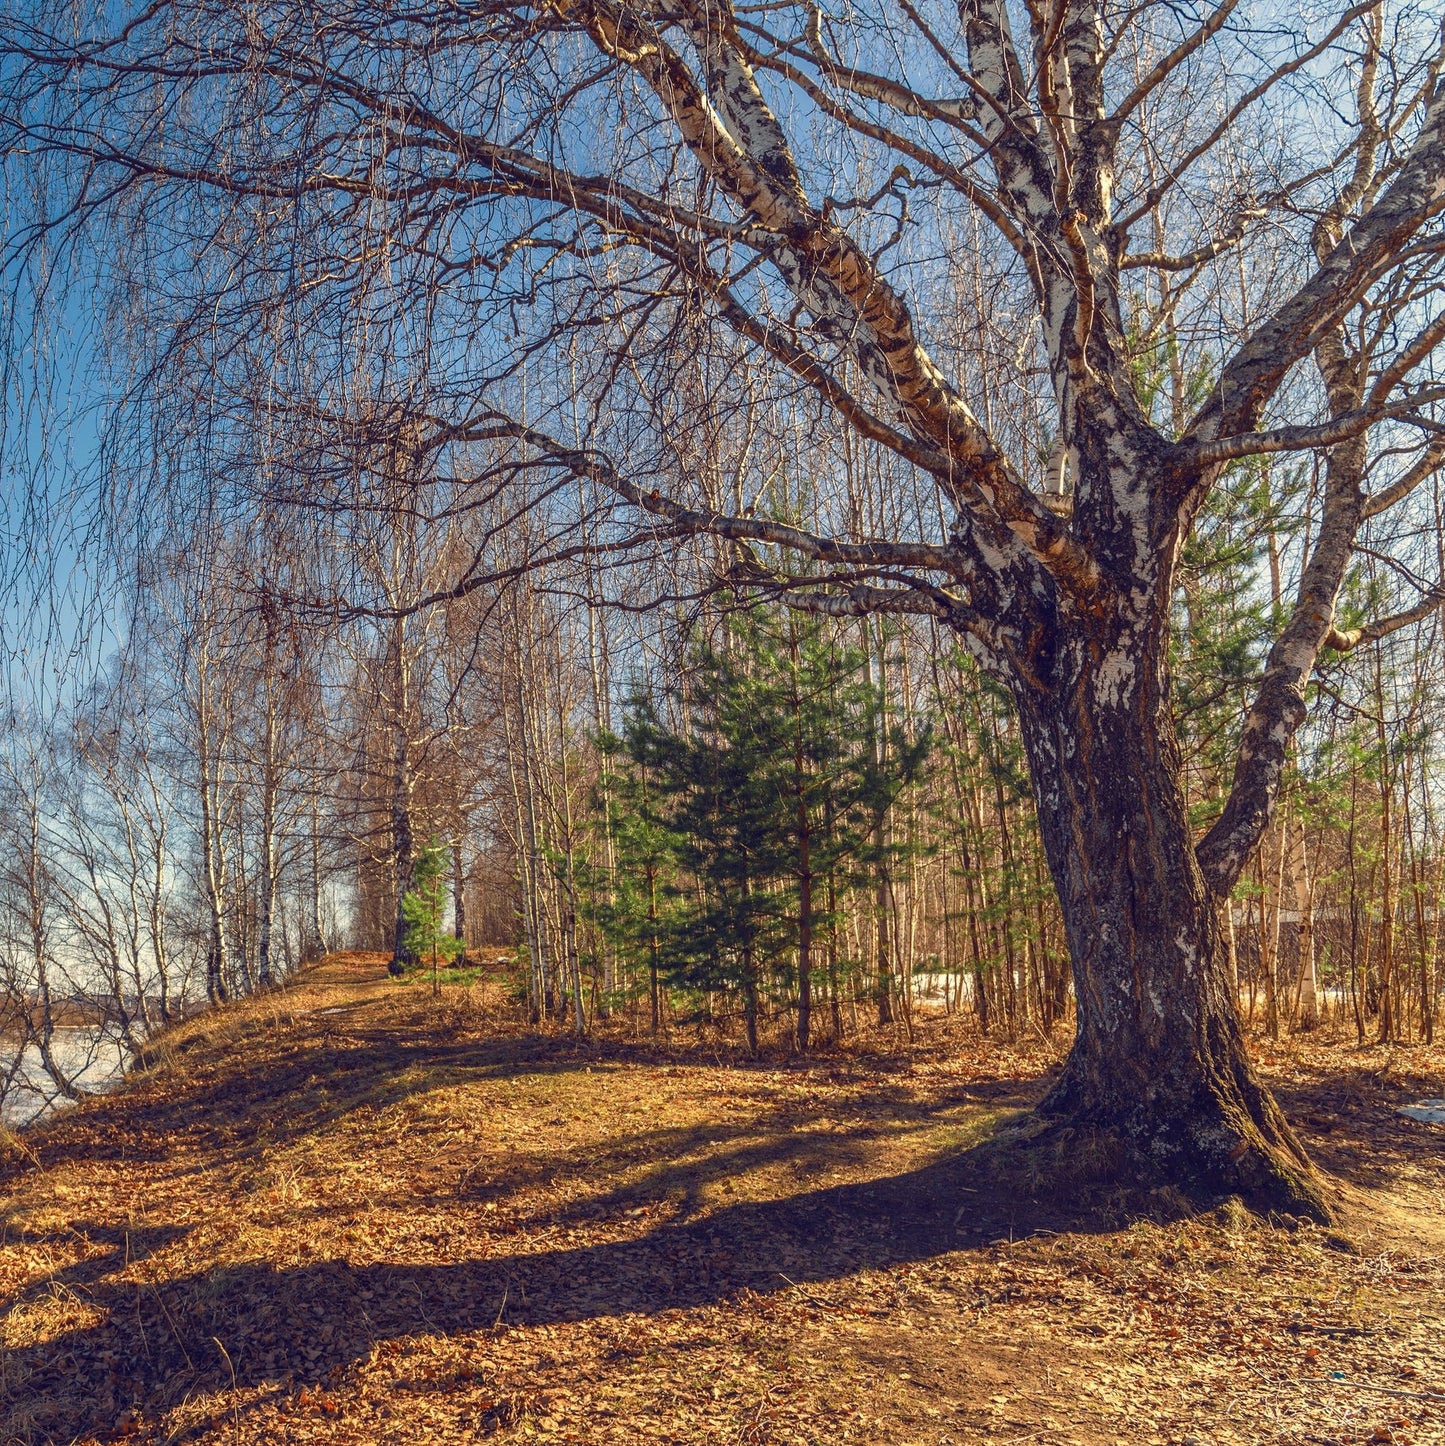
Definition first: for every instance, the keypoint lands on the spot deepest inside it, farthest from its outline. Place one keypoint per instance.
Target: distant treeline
(748, 819)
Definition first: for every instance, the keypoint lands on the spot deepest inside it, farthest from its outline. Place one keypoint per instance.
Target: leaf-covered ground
(350, 1213)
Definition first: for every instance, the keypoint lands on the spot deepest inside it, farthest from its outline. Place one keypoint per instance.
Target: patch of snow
(1432, 1112)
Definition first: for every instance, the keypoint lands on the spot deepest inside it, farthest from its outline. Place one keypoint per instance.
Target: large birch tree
(596, 226)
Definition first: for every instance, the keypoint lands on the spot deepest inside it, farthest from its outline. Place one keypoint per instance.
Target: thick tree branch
(1346, 640)
(738, 141)
(905, 145)
(1279, 705)
(1309, 438)
(1369, 248)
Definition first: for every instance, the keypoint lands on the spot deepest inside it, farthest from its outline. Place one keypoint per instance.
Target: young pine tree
(832, 766)
(631, 905)
(422, 909)
(714, 797)
(743, 820)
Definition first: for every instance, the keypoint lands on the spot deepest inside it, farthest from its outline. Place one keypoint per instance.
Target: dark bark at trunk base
(1209, 1128)
(1159, 1063)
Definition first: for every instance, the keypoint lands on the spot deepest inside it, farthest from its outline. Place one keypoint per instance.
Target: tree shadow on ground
(314, 1077)
(144, 1337)
(1348, 1117)
(239, 1088)
(281, 1326)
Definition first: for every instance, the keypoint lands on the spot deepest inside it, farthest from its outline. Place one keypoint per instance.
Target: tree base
(1216, 1138)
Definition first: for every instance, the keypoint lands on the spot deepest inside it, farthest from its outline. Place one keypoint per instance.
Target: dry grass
(351, 1213)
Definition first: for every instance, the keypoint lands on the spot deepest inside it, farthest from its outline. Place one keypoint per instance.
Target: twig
(1275, 1384)
(501, 1309)
(181, 1426)
(421, 1305)
(826, 1304)
(140, 1320)
(807, 1294)
(959, 1214)
(749, 1432)
(16, 1142)
(235, 1404)
(170, 1321)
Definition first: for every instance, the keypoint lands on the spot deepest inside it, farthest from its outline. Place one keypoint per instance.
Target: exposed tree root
(1217, 1134)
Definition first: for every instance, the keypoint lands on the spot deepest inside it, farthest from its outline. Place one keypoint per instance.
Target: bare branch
(1365, 252)
(1422, 471)
(884, 90)
(1156, 193)
(1311, 438)
(1168, 64)
(1346, 640)
(1226, 241)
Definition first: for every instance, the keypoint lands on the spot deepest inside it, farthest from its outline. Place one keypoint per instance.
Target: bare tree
(511, 187)
(31, 903)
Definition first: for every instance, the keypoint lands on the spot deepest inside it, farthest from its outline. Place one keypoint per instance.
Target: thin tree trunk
(1387, 865)
(318, 929)
(459, 901)
(212, 849)
(1307, 1009)
(403, 841)
(803, 823)
(835, 1005)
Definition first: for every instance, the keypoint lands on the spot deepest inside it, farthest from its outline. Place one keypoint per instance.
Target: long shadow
(305, 1087)
(333, 1069)
(674, 1167)
(154, 1344)
(313, 1322)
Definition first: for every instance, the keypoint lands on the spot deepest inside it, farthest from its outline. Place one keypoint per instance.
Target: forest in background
(622, 798)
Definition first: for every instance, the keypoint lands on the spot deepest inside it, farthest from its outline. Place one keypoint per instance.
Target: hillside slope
(350, 1213)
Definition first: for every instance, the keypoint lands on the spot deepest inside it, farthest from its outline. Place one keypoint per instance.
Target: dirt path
(351, 1213)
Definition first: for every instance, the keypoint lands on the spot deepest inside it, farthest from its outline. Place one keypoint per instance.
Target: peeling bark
(1159, 1060)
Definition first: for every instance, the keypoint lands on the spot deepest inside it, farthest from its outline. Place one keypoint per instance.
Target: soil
(350, 1212)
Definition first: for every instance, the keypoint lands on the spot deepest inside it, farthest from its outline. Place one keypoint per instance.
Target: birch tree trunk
(1307, 1011)
(268, 843)
(403, 844)
(459, 898)
(213, 851)
(317, 925)
(1159, 1060)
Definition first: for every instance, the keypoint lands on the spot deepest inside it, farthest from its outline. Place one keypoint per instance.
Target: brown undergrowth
(350, 1213)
